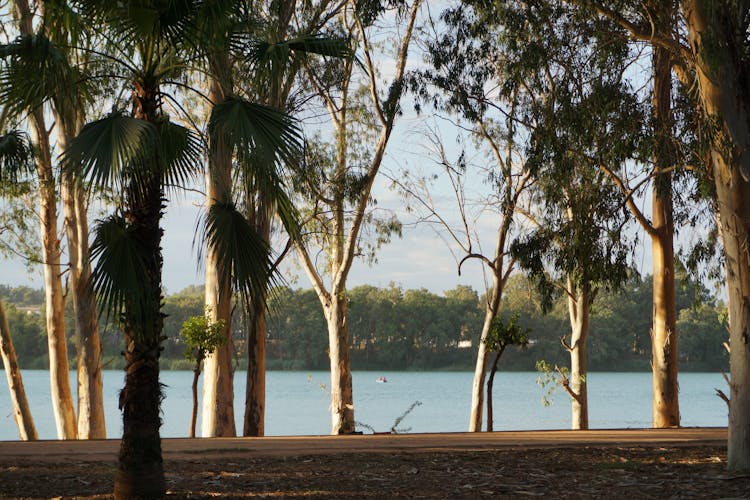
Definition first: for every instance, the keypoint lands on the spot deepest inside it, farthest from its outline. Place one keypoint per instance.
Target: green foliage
(503, 334)
(398, 329)
(201, 337)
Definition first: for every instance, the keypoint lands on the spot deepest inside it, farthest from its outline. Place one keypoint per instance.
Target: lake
(297, 402)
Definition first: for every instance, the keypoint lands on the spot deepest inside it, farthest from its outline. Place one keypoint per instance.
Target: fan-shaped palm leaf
(35, 71)
(168, 20)
(110, 149)
(247, 127)
(16, 155)
(120, 274)
(242, 256)
(181, 151)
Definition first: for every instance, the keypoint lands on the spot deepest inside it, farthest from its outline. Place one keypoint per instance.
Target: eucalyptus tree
(467, 77)
(15, 158)
(290, 28)
(708, 46)
(139, 154)
(256, 54)
(32, 70)
(339, 184)
(584, 115)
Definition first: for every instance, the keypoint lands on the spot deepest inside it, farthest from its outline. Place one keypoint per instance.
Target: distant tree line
(396, 329)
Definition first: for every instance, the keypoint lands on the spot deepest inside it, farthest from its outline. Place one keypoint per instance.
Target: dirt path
(633, 463)
(175, 448)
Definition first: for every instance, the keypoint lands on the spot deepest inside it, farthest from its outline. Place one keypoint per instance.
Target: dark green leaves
(120, 148)
(107, 149)
(34, 72)
(241, 255)
(120, 278)
(244, 127)
(16, 155)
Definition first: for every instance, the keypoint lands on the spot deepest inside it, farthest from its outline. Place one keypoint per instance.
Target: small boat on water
(381, 380)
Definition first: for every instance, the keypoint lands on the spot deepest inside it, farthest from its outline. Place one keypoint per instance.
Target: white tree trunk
(579, 311)
(217, 416)
(480, 369)
(342, 402)
(725, 100)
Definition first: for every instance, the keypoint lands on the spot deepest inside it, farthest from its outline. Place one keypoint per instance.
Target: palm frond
(242, 256)
(108, 150)
(251, 128)
(119, 275)
(181, 151)
(168, 20)
(261, 53)
(35, 71)
(16, 155)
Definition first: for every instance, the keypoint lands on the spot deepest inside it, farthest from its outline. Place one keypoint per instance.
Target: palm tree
(139, 154)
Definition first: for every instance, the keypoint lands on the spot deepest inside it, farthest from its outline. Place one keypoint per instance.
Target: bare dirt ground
(672, 463)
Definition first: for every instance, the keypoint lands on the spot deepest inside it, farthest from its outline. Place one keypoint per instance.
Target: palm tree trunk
(21, 410)
(140, 472)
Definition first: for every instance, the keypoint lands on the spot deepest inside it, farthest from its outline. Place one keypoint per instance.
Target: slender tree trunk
(579, 310)
(21, 410)
(62, 398)
(342, 402)
(255, 387)
(490, 384)
(480, 368)
(217, 417)
(194, 416)
(725, 99)
(91, 422)
(666, 407)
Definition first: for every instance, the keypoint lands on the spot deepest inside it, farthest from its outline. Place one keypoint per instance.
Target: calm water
(297, 402)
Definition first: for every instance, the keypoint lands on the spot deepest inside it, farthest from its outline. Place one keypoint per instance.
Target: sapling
(201, 338)
(500, 336)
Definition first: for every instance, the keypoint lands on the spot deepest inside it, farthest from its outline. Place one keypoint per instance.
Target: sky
(421, 258)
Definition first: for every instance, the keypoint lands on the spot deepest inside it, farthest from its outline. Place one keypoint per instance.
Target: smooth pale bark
(91, 422)
(21, 410)
(342, 238)
(666, 407)
(579, 308)
(60, 394)
(217, 415)
(725, 99)
(480, 368)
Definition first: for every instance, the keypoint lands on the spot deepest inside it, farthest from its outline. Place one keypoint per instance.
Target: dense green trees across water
(398, 329)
